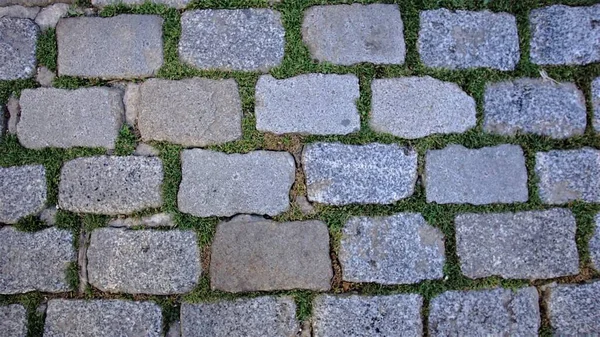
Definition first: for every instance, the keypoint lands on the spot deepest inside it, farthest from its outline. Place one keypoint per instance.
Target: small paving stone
(174, 329)
(14, 113)
(146, 150)
(18, 39)
(171, 3)
(457, 175)
(31, 3)
(18, 11)
(131, 100)
(574, 310)
(48, 215)
(339, 174)
(315, 104)
(219, 184)
(123, 46)
(594, 244)
(251, 253)
(415, 107)
(596, 103)
(252, 317)
(522, 245)
(110, 185)
(467, 39)
(45, 77)
(152, 221)
(350, 34)
(22, 192)
(243, 39)
(49, 16)
(305, 206)
(13, 321)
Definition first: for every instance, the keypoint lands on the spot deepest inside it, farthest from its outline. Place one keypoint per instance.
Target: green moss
(47, 49)
(126, 142)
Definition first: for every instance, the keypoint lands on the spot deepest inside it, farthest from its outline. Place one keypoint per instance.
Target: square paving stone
(594, 244)
(13, 321)
(22, 192)
(596, 103)
(18, 40)
(574, 310)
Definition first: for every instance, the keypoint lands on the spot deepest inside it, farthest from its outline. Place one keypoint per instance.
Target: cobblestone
(49, 16)
(179, 4)
(18, 11)
(18, 38)
(22, 192)
(574, 310)
(594, 244)
(596, 104)
(13, 321)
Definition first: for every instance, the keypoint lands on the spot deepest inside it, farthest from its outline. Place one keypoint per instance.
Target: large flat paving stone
(339, 174)
(219, 184)
(251, 253)
(596, 103)
(594, 244)
(457, 175)
(180, 4)
(22, 192)
(18, 40)
(123, 46)
(574, 310)
(13, 321)
(242, 39)
(522, 245)
(110, 185)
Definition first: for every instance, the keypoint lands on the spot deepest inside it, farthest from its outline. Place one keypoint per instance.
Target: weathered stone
(110, 185)
(30, 3)
(467, 39)
(49, 16)
(243, 39)
(594, 244)
(123, 46)
(174, 329)
(565, 35)
(89, 117)
(48, 215)
(415, 107)
(350, 34)
(339, 174)
(156, 220)
(315, 104)
(171, 3)
(18, 11)
(14, 113)
(146, 150)
(305, 206)
(2, 121)
(596, 103)
(131, 100)
(18, 39)
(457, 175)
(22, 192)
(13, 321)
(45, 77)
(219, 184)
(201, 111)
(366, 316)
(574, 310)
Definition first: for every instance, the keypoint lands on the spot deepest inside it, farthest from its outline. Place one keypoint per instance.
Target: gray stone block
(30, 3)
(17, 11)
(180, 4)
(574, 310)
(22, 192)
(594, 244)
(49, 16)
(13, 321)
(45, 77)
(596, 104)
(18, 39)
(152, 221)
(14, 113)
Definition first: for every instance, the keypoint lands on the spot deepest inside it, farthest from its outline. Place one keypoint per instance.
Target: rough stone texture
(594, 244)
(123, 46)
(254, 254)
(523, 245)
(131, 100)
(146, 150)
(18, 38)
(14, 112)
(415, 107)
(367, 316)
(88, 117)
(305, 206)
(33, 261)
(219, 184)
(48, 215)
(457, 175)
(49, 16)
(243, 39)
(18, 11)
(339, 174)
(13, 321)
(495, 312)
(22, 192)
(171, 3)
(110, 185)
(253, 317)
(399, 249)
(174, 329)
(201, 111)
(156, 220)
(565, 35)
(314, 104)
(30, 3)
(350, 34)
(2, 122)
(574, 310)
(107, 318)
(45, 76)
(466, 39)
(556, 110)
(596, 103)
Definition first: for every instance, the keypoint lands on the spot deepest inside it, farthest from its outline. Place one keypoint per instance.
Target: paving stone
(14, 113)
(467, 39)
(415, 107)
(13, 321)
(110, 185)
(367, 316)
(556, 110)
(494, 312)
(523, 245)
(315, 104)
(202, 111)
(31, 3)
(45, 77)
(565, 35)
(398, 249)
(107, 318)
(18, 11)
(131, 100)
(243, 39)
(174, 329)
(180, 4)
(339, 174)
(146, 150)
(574, 310)
(457, 175)
(18, 39)
(22, 192)
(350, 34)
(49, 16)
(48, 215)
(33, 261)
(2, 122)
(123, 46)
(594, 244)
(596, 103)
(252, 317)
(152, 221)
(251, 253)
(219, 184)
(305, 206)
(88, 117)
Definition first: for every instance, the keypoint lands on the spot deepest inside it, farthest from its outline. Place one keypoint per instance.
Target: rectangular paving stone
(31, 3)
(574, 309)
(457, 175)
(22, 192)
(596, 104)
(523, 245)
(13, 321)
(594, 244)
(18, 39)
(314, 104)
(180, 4)
(123, 46)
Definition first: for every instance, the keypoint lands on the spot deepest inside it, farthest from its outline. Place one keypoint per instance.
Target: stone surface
(48, 215)
(123, 46)
(596, 103)
(14, 113)
(18, 38)
(305, 206)
(131, 100)
(13, 321)
(171, 3)
(22, 192)
(49, 16)
(457, 175)
(350, 34)
(594, 244)
(88, 117)
(219, 184)
(45, 76)
(243, 39)
(254, 254)
(574, 310)
(152, 221)
(18, 11)
(565, 35)
(110, 185)
(201, 111)
(30, 3)
(339, 174)
(146, 150)
(252, 317)
(367, 316)
(2, 122)
(398, 249)
(468, 39)
(314, 104)
(174, 329)
(415, 107)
